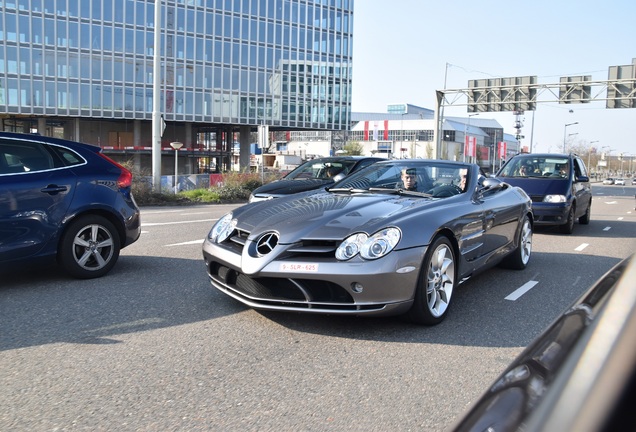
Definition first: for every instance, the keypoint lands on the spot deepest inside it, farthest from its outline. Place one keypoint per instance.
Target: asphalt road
(152, 347)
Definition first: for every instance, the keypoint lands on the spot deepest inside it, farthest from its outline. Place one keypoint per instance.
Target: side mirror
(339, 177)
(489, 184)
(582, 179)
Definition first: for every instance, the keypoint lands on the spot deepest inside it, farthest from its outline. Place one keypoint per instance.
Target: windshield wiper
(400, 192)
(348, 190)
(414, 193)
(383, 190)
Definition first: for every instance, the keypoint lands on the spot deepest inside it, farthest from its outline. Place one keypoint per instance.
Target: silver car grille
(307, 248)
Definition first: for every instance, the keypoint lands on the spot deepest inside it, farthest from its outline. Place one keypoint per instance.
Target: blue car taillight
(125, 178)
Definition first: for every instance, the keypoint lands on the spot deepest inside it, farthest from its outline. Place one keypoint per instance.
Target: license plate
(299, 267)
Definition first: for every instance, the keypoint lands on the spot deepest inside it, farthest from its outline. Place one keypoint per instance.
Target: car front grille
(307, 248)
(537, 198)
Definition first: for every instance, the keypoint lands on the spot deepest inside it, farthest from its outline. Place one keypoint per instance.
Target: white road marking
(173, 223)
(521, 290)
(610, 202)
(187, 243)
(620, 218)
(581, 247)
(159, 211)
(607, 228)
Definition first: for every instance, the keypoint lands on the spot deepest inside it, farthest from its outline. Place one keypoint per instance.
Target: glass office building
(225, 64)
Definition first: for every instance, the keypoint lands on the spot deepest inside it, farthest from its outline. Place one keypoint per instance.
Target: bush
(233, 188)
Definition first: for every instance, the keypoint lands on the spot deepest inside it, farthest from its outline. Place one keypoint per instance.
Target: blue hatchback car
(558, 185)
(65, 200)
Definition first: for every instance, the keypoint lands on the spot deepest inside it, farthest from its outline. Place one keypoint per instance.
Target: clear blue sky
(401, 49)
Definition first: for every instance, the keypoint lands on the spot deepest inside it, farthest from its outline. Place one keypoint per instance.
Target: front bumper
(373, 288)
(550, 214)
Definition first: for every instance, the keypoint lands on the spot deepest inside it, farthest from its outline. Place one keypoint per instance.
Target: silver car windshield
(407, 177)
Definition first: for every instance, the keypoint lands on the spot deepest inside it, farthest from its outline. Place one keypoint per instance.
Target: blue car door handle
(53, 189)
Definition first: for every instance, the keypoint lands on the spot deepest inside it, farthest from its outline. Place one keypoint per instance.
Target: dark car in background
(579, 374)
(65, 200)
(313, 174)
(558, 185)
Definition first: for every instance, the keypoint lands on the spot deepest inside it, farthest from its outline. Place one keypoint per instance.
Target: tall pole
(565, 128)
(176, 169)
(589, 155)
(494, 152)
(156, 103)
(176, 146)
(466, 131)
(402, 134)
(532, 132)
(439, 117)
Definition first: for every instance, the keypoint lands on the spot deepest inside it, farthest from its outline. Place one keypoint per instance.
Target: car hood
(286, 187)
(539, 186)
(330, 216)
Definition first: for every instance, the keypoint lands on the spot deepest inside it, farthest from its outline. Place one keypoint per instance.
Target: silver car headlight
(554, 199)
(350, 247)
(222, 229)
(376, 246)
(380, 243)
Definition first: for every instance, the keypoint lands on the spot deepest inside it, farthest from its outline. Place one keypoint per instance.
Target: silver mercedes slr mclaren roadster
(394, 238)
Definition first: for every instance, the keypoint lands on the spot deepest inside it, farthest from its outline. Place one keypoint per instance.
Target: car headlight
(350, 246)
(554, 199)
(374, 247)
(222, 229)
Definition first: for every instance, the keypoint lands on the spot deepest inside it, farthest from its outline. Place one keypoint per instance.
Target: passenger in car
(333, 171)
(462, 180)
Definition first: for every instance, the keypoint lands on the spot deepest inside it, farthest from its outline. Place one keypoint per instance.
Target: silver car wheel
(440, 280)
(526, 242)
(89, 247)
(93, 247)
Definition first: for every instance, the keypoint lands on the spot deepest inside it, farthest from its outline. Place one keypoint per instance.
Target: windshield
(321, 169)
(433, 178)
(536, 167)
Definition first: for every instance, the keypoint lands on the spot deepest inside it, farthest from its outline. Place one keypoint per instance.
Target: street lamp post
(565, 131)
(176, 145)
(466, 131)
(402, 134)
(609, 159)
(589, 155)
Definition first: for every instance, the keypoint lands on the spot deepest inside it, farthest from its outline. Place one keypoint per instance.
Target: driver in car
(409, 179)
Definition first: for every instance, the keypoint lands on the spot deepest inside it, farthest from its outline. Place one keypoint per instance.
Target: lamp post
(466, 130)
(402, 134)
(589, 155)
(176, 145)
(609, 159)
(564, 133)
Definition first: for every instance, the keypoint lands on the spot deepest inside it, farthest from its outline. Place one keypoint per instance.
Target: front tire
(585, 219)
(436, 284)
(518, 260)
(90, 247)
(568, 227)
